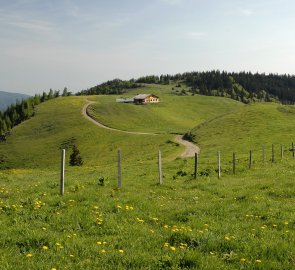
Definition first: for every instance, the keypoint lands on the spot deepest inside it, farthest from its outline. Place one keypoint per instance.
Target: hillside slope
(250, 127)
(59, 124)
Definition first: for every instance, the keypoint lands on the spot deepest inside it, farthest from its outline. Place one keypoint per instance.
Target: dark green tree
(75, 158)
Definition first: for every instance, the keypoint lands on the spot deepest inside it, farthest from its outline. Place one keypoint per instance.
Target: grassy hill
(7, 98)
(174, 114)
(249, 128)
(59, 124)
(243, 221)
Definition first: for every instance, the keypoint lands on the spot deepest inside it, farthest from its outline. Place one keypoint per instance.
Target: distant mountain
(7, 99)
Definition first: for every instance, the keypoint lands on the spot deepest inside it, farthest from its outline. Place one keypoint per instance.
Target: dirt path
(190, 148)
(86, 115)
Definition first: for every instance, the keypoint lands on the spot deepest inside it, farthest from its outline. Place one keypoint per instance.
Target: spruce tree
(75, 158)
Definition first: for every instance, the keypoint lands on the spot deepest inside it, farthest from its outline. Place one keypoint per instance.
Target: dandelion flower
(258, 261)
(121, 251)
(103, 251)
(45, 247)
(99, 243)
(140, 220)
(29, 255)
(226, 238)
(173, 248)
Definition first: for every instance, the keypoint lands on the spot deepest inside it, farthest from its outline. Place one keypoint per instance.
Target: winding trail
(190, 148)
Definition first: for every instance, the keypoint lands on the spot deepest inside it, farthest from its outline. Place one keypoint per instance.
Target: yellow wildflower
(45, 247)
(29, 255)
(121, 250)
(173, 248)
(258, 261)
(139, 220)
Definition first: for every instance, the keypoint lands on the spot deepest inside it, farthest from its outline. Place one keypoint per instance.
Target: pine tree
(75, 158)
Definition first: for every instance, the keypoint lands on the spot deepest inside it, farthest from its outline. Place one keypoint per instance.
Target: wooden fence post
(196, 166)
(234, 163)
(282, 152)
(250, 159)
(263, 153)
(219, 166)
(272, 153)
(62, 173)
(160, 168)
(119, 169)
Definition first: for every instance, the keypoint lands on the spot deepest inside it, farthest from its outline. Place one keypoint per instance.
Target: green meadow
(241, 221)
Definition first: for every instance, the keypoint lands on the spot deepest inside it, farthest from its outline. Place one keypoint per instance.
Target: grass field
(243, 221)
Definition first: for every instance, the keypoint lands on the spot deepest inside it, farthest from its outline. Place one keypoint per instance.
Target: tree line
(23, 110)
(243, 86)
(113, 87)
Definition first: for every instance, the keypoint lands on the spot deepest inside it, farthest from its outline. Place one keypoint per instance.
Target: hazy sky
(56, 43)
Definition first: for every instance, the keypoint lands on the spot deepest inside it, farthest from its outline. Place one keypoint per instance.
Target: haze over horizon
(53, 44)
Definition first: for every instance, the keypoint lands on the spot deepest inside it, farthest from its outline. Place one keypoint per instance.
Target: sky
(79, 44)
